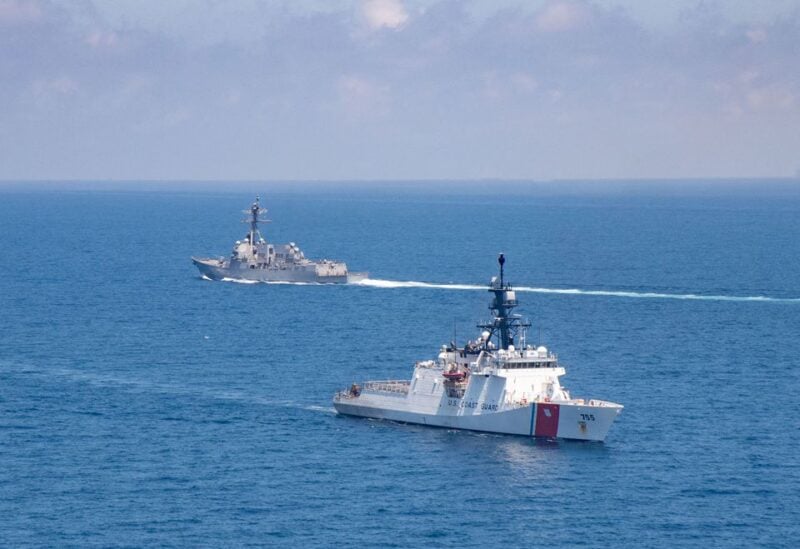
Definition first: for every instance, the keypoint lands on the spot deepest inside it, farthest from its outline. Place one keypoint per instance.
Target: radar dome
(542, 350)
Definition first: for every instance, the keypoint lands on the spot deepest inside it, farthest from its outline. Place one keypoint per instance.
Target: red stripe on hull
(546, 420)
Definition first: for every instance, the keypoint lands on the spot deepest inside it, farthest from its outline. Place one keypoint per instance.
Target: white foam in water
(391, 284)
(322, 409)
(377, 283)
(277, 282)
(240, 281)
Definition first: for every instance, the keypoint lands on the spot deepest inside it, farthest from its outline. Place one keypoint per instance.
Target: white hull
(483, 386)
(566, 420)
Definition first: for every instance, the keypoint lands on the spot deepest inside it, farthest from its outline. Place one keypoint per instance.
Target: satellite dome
(542, 350)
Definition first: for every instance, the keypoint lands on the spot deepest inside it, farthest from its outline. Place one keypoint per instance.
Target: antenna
(254, 217)
(505, 324)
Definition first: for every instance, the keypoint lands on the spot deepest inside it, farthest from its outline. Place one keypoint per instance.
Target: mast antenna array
(506, 325)
(253, 219)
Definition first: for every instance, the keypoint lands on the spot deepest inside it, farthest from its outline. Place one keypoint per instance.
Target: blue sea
(141, 405)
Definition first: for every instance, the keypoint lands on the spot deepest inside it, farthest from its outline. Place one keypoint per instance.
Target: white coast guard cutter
(487, 385)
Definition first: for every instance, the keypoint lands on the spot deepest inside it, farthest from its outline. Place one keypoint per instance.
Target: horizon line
(651, 179)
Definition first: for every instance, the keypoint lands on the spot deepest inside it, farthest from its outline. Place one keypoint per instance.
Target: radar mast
(253, 219)
(506, 325)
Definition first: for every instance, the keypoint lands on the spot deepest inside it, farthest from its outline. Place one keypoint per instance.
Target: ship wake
(390, 284)
(400, 284)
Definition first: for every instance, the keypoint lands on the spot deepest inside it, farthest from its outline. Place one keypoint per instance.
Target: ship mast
(506, 325)
(255, 212)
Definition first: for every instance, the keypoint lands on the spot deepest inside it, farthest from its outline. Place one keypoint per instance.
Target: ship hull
(216, 270)
(547, 420)
(487, 385)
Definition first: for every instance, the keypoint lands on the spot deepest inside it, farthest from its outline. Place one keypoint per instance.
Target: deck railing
(389, 386)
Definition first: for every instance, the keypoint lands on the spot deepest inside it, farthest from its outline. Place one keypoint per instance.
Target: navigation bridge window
(455, 392)
(515, 365)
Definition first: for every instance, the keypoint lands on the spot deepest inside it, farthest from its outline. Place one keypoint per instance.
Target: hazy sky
(398, 89)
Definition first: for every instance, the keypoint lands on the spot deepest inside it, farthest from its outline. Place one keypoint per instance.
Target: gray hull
(217, 270)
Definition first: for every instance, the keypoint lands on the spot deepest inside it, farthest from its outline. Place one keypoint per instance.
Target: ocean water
(141, 405)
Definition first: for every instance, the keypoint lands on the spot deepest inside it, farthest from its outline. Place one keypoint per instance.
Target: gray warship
(255, 259)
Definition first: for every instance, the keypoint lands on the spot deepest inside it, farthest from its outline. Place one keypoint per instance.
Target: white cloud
(561, 16)
(774, 97)
(499, 86)
(525, 82)
(756, 35)
(361, 95)
(357, 88)
(748, 75)
(101, 39)
(390, 14)
(62, 85)
(346, 80)
(19, 11)
(232, 97)
(177, 116)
